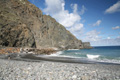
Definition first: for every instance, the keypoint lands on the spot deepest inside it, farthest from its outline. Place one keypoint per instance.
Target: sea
(107, 54)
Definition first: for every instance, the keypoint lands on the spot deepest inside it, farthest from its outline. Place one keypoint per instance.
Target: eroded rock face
(86, 45)
(16, 36)
(14, 30)
(23, 25)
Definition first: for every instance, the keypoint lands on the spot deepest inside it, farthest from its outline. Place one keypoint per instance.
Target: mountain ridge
(22, 24)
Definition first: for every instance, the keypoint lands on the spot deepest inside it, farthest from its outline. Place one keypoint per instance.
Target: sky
(94, 21)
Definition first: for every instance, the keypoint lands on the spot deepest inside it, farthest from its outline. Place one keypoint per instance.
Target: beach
(53, 70)
(59, 40)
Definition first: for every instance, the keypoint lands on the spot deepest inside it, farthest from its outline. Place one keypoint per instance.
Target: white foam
(92, 56)
(73, 49)
(109, 61)
(56, 54)
(76, 53)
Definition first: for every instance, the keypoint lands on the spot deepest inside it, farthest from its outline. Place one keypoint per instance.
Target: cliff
(86, 45)
(23, 25)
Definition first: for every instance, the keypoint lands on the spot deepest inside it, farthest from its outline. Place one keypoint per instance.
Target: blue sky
(96, 21)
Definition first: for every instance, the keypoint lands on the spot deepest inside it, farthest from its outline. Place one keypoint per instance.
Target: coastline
(65, 59)
(49, 70)
(47, 54)
(26, 66)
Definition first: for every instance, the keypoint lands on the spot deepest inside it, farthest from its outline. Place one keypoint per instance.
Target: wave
(86, 57)
(109, 61)
(77, 53)
(73, 49)
(92, 56)
(56, 54)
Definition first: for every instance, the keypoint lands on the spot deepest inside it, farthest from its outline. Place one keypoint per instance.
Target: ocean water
(109, 54)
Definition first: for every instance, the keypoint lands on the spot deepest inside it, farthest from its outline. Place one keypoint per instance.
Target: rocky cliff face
(23, 25)
(86, 45)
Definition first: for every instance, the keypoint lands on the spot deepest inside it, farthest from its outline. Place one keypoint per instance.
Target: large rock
(23, 25)
(86, 45)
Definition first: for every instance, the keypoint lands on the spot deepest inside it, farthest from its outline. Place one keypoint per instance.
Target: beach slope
(44, 70)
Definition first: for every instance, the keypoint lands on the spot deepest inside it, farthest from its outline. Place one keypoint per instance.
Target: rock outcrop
(86, 45)
(22, 24)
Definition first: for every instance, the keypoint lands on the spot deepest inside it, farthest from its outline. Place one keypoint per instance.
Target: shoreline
(31, 53)
(65, 59)
(34, 67)
(33, 57)
(49, 55)
(49, 70)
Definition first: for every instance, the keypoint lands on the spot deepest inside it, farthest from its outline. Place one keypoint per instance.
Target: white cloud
(53, 6)
(97, 23)
(71, 20)
(108, 38)
(74, 7)
(83, 10)
(76, 27)
(117, 27)
(96, 40)
(92, 36)
(107, 42)
(67, 19)
(114, 8)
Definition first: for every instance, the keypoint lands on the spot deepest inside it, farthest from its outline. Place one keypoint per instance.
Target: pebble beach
(48, 70)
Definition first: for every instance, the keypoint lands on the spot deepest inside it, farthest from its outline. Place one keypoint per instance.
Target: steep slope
(23, 25)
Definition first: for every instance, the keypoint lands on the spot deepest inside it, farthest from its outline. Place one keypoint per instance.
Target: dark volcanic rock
(23, 25)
